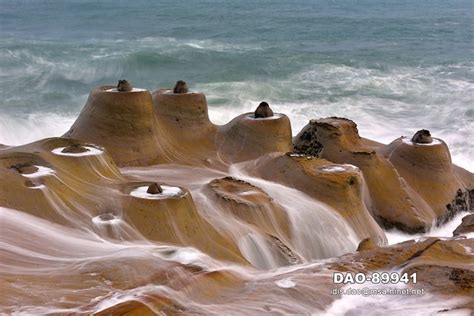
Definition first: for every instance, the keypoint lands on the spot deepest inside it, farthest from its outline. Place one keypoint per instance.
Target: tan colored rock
(89, 191)
(184, 132)
(409, 184)
(25, 168)
(339, 186)
(121, 122)
(466, 226)
(246, 137)
(428, 170)
(175, 220)
(366, 244)
(250, 205)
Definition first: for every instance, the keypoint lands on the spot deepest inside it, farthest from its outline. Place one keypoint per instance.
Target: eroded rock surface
(410, 184)
(218, 240)
(467, 226)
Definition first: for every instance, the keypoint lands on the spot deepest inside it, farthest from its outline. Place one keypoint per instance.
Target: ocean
(391, 66)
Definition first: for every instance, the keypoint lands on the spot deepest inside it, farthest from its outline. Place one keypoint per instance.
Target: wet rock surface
(306, 142)
(227, 242)
(461, 203)
(399, 176)
(467, 226)
(263, 110)
(25, 168)
(366, 244)
(422, 137)
(75, 149)
(154, 188)
(180, 87)
(124, 86)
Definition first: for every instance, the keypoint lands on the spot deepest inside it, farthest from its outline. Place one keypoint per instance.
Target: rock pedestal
(122, 122)
(247, 137)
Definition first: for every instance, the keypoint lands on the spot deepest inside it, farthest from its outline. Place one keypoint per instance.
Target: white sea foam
(407, 140)
(106, 218)
(285, 283)
(444, 231)
(338, 168)
(384, 104)
(42, 171)
(133, 90)
(22, 129)
(275, 116)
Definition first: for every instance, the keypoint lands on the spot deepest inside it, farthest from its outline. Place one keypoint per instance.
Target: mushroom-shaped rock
(154, 188)
(423, 136)
(426, 168)
(467, 226)
(186, 135)
(175, 220)
(180, 87)
(247, 137)
(263, 110)
(124, 86)
(74, 149)
(123, 123)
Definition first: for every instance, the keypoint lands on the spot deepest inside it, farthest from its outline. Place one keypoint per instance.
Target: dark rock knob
(154, 188)
(124, 86)
(263, 110)
(422, 137)
(74, 149)
(180, 87)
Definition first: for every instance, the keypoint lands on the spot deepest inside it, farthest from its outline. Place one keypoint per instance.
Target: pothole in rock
(106, 219)
(337, 168)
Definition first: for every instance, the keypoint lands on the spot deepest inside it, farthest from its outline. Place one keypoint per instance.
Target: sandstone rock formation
(339, 185)
(146, 206)
(467, 226)
(409, 184)
(121, 122)
(183, 131)
(246, 137)
(90, 192)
